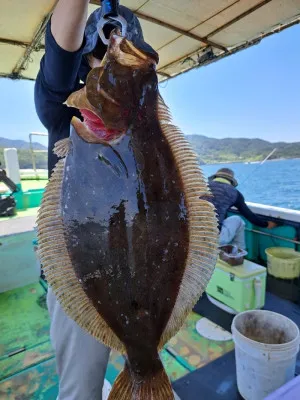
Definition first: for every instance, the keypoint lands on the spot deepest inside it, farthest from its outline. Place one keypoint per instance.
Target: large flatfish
(127, 241)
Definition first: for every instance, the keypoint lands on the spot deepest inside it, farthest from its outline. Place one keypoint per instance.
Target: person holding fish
(126, 239)
(73, 47)
(225, 195)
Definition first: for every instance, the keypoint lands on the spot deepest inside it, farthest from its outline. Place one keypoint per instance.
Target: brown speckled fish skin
(126, 225)
(124, 217)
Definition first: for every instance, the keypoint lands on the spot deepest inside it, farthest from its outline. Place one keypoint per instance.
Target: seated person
(225, 195)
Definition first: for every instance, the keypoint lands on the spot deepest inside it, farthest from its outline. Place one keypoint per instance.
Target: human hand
(271, 225)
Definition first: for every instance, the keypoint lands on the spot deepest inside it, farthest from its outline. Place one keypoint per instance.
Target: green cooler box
(237, 289)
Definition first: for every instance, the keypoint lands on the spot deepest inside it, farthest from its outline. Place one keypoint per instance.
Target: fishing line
(255, 169)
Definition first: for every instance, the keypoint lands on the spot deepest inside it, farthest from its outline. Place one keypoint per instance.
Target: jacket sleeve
(56, 80)
(247, 213)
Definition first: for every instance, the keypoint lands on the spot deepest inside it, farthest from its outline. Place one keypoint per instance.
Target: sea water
(275, 183)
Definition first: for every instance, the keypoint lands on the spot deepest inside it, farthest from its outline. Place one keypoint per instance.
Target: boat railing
(284, 214)
(289, 220)
(34, 151)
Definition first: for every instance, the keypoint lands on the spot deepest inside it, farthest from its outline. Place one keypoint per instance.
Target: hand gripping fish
(127, 242)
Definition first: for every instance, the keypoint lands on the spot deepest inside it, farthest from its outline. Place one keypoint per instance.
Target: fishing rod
(260, 164)
(272, 152)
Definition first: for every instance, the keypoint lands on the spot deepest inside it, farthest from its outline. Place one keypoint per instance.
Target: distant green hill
(25, 160)
(212, 150)
(24, 153)
(20, 144)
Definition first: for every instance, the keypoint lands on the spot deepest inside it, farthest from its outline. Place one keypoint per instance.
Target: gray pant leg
(233, 232)
(81, 360)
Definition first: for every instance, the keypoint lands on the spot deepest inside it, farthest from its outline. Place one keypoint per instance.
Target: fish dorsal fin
(164, 114)
(62, 147)
(203, 235)
(57, 263)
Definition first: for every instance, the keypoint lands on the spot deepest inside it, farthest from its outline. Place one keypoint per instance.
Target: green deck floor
(27, 185)
(27, 364)
(31, 184)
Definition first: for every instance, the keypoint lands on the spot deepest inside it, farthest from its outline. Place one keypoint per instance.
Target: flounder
(126, 238)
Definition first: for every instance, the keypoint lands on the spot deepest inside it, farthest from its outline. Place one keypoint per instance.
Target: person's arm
(249, 215)
(59, 69)
(68, 23)
(64, 44)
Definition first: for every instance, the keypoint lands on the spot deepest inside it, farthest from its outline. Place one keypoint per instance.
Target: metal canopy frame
(207, 48)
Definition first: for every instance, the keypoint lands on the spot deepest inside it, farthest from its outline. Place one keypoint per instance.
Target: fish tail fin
(154, 387)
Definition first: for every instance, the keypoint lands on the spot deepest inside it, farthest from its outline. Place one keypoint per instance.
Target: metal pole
(35, 151)
(273, 236)
(32, 155)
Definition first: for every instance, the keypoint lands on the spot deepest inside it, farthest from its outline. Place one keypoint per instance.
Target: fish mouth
(104, 112)
(95, 125)
(92, 128)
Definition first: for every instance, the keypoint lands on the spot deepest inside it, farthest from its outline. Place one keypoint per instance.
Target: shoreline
(248, 162)
(41, 171)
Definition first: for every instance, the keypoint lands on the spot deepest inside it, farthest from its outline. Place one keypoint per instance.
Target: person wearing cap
(72, 48)
(225, 195)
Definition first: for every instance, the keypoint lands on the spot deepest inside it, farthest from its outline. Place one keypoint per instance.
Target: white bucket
(266, 347)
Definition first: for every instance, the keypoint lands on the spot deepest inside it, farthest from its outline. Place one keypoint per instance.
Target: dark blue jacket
(59, 76)
(226, 196)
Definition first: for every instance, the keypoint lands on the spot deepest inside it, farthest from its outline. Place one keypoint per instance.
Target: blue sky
(254, 93)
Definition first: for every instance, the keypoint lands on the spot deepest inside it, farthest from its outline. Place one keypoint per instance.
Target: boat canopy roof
(186, 34)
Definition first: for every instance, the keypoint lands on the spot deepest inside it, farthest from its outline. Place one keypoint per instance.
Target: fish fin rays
(62, 147)
(58, 268)
(157, 387)
(204, 233)
(163, 111)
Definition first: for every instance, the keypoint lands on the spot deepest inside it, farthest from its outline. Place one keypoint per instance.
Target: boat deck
(24, 221)
(193, 363)
(217, 380)
(27, 363)
(27, 184)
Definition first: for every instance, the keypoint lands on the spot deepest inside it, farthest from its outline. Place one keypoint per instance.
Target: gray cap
(92, 39)
(225, 173)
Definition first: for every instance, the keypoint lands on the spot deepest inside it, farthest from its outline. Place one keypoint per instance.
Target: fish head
(117, 92)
